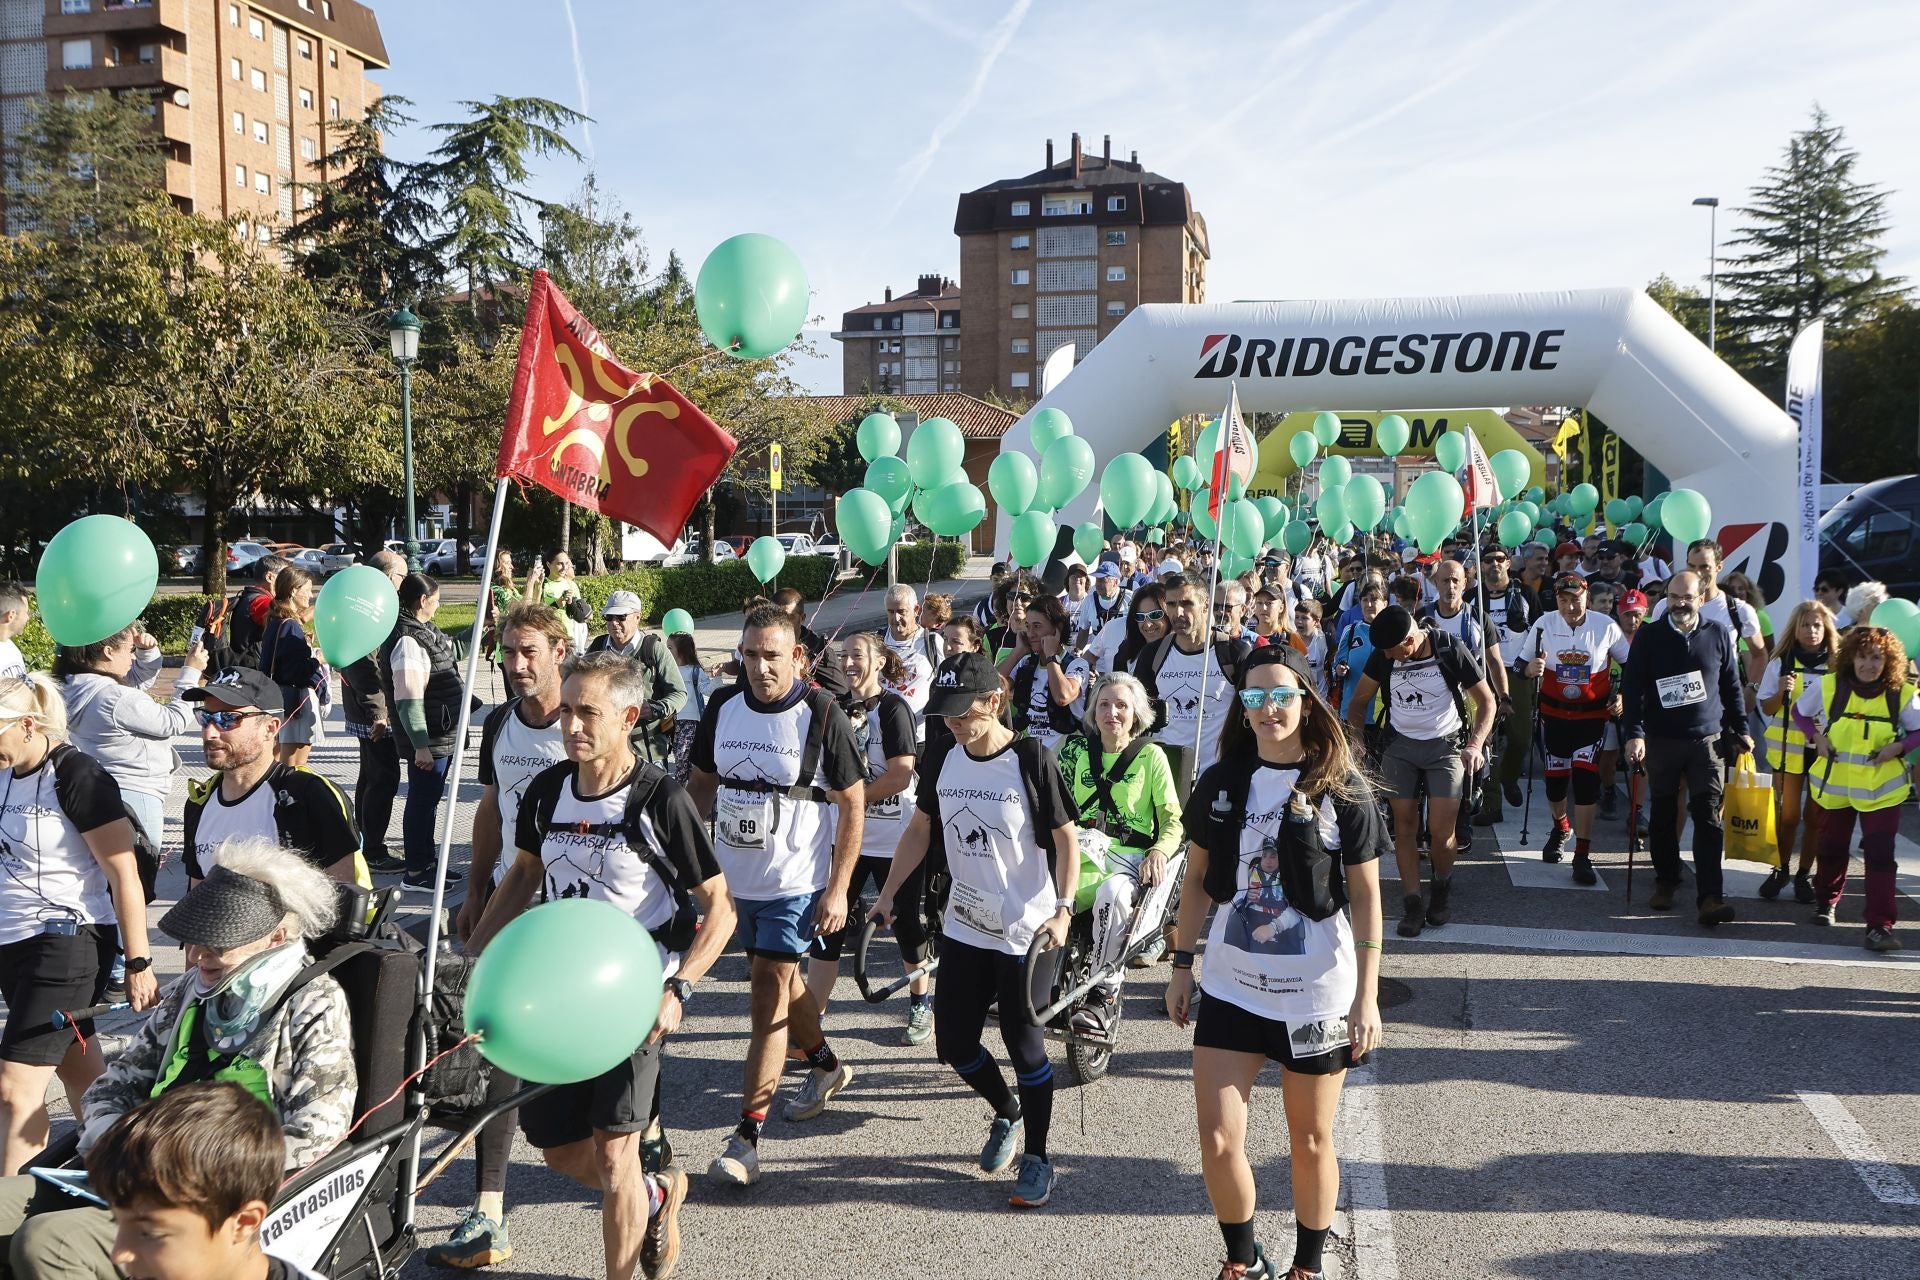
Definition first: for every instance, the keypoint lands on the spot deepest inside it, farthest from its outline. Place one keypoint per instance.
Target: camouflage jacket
(306, 1051)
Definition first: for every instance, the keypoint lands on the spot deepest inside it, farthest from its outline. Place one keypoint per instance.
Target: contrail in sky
(997, 41)
(580, 77)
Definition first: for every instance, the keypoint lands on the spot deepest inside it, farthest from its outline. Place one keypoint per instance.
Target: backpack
(1106, 813)
(1306, 864)
(1060, 719)
(820, 703)
(1227, 656)
(146, 855)
(1027, 754)
(1452, 659)
(677, 933)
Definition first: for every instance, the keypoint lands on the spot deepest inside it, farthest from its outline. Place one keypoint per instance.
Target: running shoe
(1715, 912)
(919, 1024)
(998, 1153)
(1822, 914)
(660, 1248)
(818, 1091)
(1803, 888)
(738, 1165)
(1583, 872)
(423, 883)
(1034, 1187)
(116, 992)
(386, 864)
(1776, 881)
(1440, 901)
(1661, 899)
(656, 1149)
(1413, 917)
(1556, 841)
(1151, 956)
(1258, 1269)
(478, 1241)
(1610, 804)
(1879, 939)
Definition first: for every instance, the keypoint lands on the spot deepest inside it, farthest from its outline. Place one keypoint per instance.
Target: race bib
(1681, 690)
(1311, 1039)
(972, 907)
(741, 818)
(1572, 672)
(887, 810)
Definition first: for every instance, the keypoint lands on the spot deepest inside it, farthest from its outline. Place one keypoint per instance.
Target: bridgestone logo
(1229, 355)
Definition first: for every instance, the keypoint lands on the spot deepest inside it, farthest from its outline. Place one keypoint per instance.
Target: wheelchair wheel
(1089, 1061)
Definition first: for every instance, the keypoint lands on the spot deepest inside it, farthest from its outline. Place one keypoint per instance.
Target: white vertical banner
(1056, 369)
(1803, 406)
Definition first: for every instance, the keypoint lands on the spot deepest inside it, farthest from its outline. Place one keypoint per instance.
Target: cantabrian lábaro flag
(581, 424)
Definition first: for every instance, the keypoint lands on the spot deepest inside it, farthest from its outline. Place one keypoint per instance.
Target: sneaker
(660, 1248)
(1510, 791)
(1095, 1016)
(998, 1153)
(1151, 956)
(1661, 899)
(1610, 804)
(1413, 917)
(423, 882)
(116, 992)
(738, 1165)
(1879, 939)
(1583, 872)
(656, 1149)
(1715, 912)
(1776, 881)
(1556, 841)
(1803, 888)
(386, 864)
(817, 1092)
(478, 1241)
(1258, 1269)
(1439, 901)
(919, 1023)
(1489, 816)
(1034, 1187)
(1822, 914)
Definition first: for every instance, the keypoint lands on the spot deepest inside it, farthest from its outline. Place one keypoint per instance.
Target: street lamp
(403, 330)
(1713, 253)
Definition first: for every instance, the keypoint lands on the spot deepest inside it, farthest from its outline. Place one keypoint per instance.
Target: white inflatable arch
(1614, 351)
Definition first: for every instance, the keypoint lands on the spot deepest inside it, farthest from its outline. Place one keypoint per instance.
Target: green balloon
(1532, 510)
(1186, 473)
(1335, 471)
(1618, 512)
(1650, 514)
(1634, 506)
(1206, 446)
(1065, 469)
(765, 556)
(1326, 429)
(888, 476)
(1088, 541)
(1273, 515)
(751, 296)
(1686, 516)
(1127, 491)
(1399, 522)
(1365, 501)
(878, 436)
(566, 992)
(96, 576)
(1242, 527)
(1583, 499)
(936, 449)
(1331, 508)
(1032, 539)
(955, 509)
(1536, 494)
(1510, 471)
(864, 520)
(1156, 536)
(1634, 532)
(1013, 480)
(1296, 536)
(1341, 533)
(1450, 450)
(1164, 504)
(1045, 427)
(1302, 448)
(1902, 617)
(677, 622)
(1392, 435)
(354, 614)
(1434, 504)
(1198, 516)
(1514, 529)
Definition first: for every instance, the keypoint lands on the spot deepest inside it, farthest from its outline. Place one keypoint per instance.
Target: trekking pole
(1533, 748)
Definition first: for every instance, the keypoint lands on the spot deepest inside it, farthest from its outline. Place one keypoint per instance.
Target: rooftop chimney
(889, 293)
(1076, 157)
(1136, 157)
(929, 286)
(1106, 147)
(1049, 153)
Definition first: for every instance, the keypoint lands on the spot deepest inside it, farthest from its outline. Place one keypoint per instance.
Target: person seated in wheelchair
(1123, 787)
(234, 1015)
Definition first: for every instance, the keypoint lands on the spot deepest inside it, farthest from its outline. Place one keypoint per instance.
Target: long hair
(415, 590)
(1152, 594)
(1330, 767)
(1892, 674)
(1787, 642)
(502, 575)
(285, 584)
(35, 694)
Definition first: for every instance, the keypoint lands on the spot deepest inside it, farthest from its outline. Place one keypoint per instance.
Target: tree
(85, 162)
(372, 221)
(1871, 386)
(1681, 301)
(1812, 251)
(594, 253)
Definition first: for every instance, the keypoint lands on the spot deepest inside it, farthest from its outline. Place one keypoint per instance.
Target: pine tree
(371, 223)
(1811, 250)
(84, 164)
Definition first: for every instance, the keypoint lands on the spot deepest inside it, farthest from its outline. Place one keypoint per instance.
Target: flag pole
(1206, 649)
(452, 792)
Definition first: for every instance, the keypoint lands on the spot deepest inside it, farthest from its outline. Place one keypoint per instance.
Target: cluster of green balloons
(1132, 490)
(931, 481)
(751, 296)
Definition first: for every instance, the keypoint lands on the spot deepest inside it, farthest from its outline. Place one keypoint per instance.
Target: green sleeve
(413, 719)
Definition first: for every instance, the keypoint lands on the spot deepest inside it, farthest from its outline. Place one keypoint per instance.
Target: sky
(1337, 150)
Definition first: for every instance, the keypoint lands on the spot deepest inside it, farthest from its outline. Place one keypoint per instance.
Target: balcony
(180, 181)
(114, 16)
(168, 71)
(175, 124)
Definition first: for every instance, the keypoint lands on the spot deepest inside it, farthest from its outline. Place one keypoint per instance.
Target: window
(326, 9)
(1021, 241)
(1019, 379)
(306, 99)
(333, 108)
(234, 70)
(1883, 534)
(949, 386)
(1116, 238)
(1066, 276)
(262, 183)
(895, 324)
(1116, 308)
(304, 47)
(260, 133)
(1022, 276)
(148, 54)
(239, 175)
(307, 5)
(76, 55)
(1066, 242)
(256, 28)
(1062, 206)
(258, 78)
(309, 149)
(75, 6)
(233, 15)
(1021, 310)
(245, 228)
(1022, 346)
(333, 57)
(879, 322)
(952, 366)
(263, 233)
(894, 368)
(949, 319)
(949, 344)
(1021, 208)
(1115, 274)
(1116, 204)
(1059, 310)
(240, 122)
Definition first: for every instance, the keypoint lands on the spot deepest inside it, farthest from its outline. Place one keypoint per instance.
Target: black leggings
(969, 980)
(910, 911)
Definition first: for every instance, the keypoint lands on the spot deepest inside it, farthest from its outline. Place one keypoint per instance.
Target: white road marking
(1883, 1178)
(1640, 944)
(1363, 1161)
(1528, 872)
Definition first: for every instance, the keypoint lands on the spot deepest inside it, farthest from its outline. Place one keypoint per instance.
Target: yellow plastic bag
(1747, 813)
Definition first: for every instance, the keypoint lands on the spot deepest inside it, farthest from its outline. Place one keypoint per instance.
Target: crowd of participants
(1254, 744)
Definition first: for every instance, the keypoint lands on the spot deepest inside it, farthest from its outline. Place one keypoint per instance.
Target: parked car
(336, 556)
(438, 557)
(802, 544)
(311, 559)
(696, 552)
(185, 559)
(243, 556)
(1873, 534)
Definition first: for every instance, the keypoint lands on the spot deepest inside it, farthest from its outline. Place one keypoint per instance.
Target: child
(190, 1178)
(1306, 625)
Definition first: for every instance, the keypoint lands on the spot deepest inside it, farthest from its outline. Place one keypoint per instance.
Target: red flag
(623, 444)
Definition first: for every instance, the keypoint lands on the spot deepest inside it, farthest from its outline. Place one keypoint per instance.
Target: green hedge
(706, 588)
(170, 618)
(948, 559)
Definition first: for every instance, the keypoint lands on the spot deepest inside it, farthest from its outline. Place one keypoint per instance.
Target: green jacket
(1145, 816)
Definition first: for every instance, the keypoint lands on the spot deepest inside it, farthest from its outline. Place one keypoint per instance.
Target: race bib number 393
(1683, 690)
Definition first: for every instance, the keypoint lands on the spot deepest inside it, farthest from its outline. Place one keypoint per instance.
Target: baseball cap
(1568, 582)
(1127, 555)
(1391, 626)
(622, 603)
(1633, 600)
(240, 687)
(1106, 569)
(1170, 565)
(1567, 549)
(961, 680)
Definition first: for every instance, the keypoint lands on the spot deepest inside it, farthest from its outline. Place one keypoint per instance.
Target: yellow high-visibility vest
(1857, 730)
(1786, 746)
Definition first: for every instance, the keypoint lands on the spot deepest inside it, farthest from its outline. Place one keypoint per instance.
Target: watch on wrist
(681, 988)
(1063, 904)
(139, 965)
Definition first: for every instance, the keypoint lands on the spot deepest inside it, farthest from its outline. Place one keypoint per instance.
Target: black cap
(1390, 626)
(961, 680)
(240, 687)
(1278, 655)
(225, 910)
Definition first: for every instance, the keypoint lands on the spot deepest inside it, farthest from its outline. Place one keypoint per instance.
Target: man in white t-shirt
(1172, 670)
(920, 650)
(1107, 601)
(14, 611)
(1716, 606)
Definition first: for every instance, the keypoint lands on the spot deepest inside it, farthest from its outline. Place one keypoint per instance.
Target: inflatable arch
(1614, 351)
(1357, 441)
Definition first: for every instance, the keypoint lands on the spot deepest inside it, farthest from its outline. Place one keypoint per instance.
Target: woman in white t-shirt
(1283, 833)
(997, 806)
(69, 890)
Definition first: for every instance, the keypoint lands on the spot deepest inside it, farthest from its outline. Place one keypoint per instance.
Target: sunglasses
(1280, 696)
(225, 721)
(1024, 597)
(1151, 615)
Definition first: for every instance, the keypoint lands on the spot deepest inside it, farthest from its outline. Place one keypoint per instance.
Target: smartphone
(195, 636)
(61, 927)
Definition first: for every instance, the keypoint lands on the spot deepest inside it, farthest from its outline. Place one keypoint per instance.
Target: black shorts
(619, 1100)
(1221, 1024)
(44, 973)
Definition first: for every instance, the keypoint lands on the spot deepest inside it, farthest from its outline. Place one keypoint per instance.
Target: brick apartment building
(243, 88)
(908, 344)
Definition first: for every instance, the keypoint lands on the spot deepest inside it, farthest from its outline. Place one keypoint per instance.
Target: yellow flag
(1568, 433)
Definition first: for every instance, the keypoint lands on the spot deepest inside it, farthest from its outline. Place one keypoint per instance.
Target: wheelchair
(874, 975)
